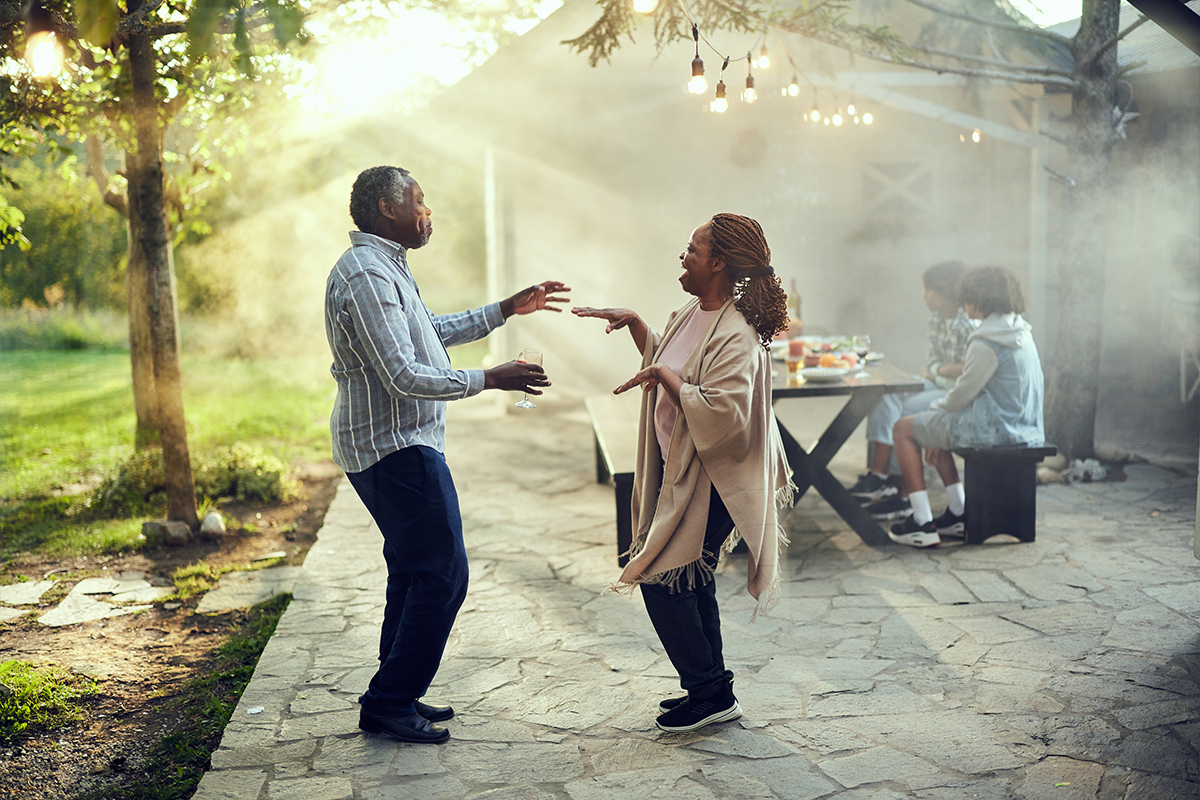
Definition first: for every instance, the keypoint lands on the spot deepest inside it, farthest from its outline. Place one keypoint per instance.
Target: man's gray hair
(372, 184)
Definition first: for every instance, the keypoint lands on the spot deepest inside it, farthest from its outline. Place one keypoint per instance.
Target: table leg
(811, 468)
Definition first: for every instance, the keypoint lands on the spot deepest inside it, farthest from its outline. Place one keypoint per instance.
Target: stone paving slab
(247, 588)
(1062, 669)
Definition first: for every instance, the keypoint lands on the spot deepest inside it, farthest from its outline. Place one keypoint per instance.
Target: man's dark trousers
(411, 496)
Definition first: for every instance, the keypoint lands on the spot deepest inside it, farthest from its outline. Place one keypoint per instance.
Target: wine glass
(528, 355)
(862, 346)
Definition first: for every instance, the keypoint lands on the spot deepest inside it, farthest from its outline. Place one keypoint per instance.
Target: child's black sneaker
(915, 534)
(951, 526)
(694, 712)
(870, 487)
(890, 508)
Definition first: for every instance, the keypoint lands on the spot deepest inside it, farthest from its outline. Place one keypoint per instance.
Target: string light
(826, 121)
(868, 118)
(850, 110)
(750, 95)
(815, 114)
(42, 53)
(719, 104)
(976, 136)
(837, 116)
(793, 88)
(764, 60)
(698, 84)
(645, 6)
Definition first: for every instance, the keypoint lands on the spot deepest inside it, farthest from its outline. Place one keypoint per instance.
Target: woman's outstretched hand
(617, 317)
(647, 379)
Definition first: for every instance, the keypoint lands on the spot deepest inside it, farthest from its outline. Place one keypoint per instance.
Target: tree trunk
(138, 291)
(1074, 384)
(154, 253)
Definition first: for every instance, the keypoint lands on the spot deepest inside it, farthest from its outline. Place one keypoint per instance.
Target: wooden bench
(614, 427)
(1001, 488)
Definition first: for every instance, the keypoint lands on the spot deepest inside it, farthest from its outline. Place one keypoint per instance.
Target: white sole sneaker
(733, 712)
(918, 539)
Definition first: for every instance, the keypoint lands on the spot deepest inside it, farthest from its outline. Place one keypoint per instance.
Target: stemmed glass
(528, 355)
(862, 346)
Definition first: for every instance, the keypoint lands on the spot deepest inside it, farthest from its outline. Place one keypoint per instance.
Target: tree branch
(1009, 65)
(1128, 30)
(1040, 79)
(998, 24)
(97, 172)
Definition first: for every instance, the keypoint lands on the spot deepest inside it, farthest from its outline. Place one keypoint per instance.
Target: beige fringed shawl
(725, 436)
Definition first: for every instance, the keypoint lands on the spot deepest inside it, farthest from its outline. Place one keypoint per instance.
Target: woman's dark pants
(688, 622)
(411, 496)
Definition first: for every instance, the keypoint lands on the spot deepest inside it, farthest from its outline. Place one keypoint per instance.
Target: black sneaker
(915, 534)
(951, 526)
(871, 487)
(890, 508)
(694, 713)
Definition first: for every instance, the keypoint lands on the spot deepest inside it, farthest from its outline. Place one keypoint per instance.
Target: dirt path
(139, 660)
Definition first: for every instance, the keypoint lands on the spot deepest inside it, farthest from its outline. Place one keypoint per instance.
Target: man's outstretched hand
(535, 298)
(515, 376)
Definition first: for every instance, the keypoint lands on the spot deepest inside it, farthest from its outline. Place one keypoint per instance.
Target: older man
(394, 377)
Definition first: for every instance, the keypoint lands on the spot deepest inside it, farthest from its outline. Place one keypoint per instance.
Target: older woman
(709, 455)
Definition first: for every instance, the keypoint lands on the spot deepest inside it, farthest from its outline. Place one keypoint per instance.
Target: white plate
(823, 374)
(873, 357)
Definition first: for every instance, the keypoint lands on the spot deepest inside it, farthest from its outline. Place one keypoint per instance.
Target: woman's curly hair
(739, 242)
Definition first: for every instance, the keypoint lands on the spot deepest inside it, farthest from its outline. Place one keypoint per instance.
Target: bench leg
(624, 485)
(602, 474)
(1001, 498)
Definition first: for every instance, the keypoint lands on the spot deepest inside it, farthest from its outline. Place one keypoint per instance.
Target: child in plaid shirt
(949, 328)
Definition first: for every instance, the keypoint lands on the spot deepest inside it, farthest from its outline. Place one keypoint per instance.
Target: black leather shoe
(434, 713)
(411, 728)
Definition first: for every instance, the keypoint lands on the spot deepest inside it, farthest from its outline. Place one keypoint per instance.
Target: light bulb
(793, 88)
(837, 119)
(827, 120)
(719, 103)
(764, 60)
(868, 118)
(645, 6)
(962, 138)
(976, 136)
(698, 84)
(856, 120)
(42, 54)
(750, 95)
(850, 109)
(815, 113)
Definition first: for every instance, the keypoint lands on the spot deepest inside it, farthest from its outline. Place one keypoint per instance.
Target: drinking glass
(528, 355)
(862, 346)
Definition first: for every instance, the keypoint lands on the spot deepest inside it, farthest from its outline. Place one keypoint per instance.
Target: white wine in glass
(528, 355)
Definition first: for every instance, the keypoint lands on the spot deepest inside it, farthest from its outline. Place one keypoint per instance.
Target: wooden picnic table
(811, 467)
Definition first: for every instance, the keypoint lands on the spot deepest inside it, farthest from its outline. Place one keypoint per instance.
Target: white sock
(881, 475)
(922, 513)
(956, 498)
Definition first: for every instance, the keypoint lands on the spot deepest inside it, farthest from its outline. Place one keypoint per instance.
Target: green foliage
(180, 759)
(138, 484)
(41, 697)
(76, 245)
(62, 328)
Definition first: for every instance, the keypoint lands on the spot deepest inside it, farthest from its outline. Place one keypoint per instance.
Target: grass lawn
(67, 416)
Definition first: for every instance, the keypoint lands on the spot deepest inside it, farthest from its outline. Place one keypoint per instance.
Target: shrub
(244, 472)
(62, 328)
(241, 472)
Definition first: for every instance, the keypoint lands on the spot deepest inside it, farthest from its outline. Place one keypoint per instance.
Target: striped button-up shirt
(389, 355)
